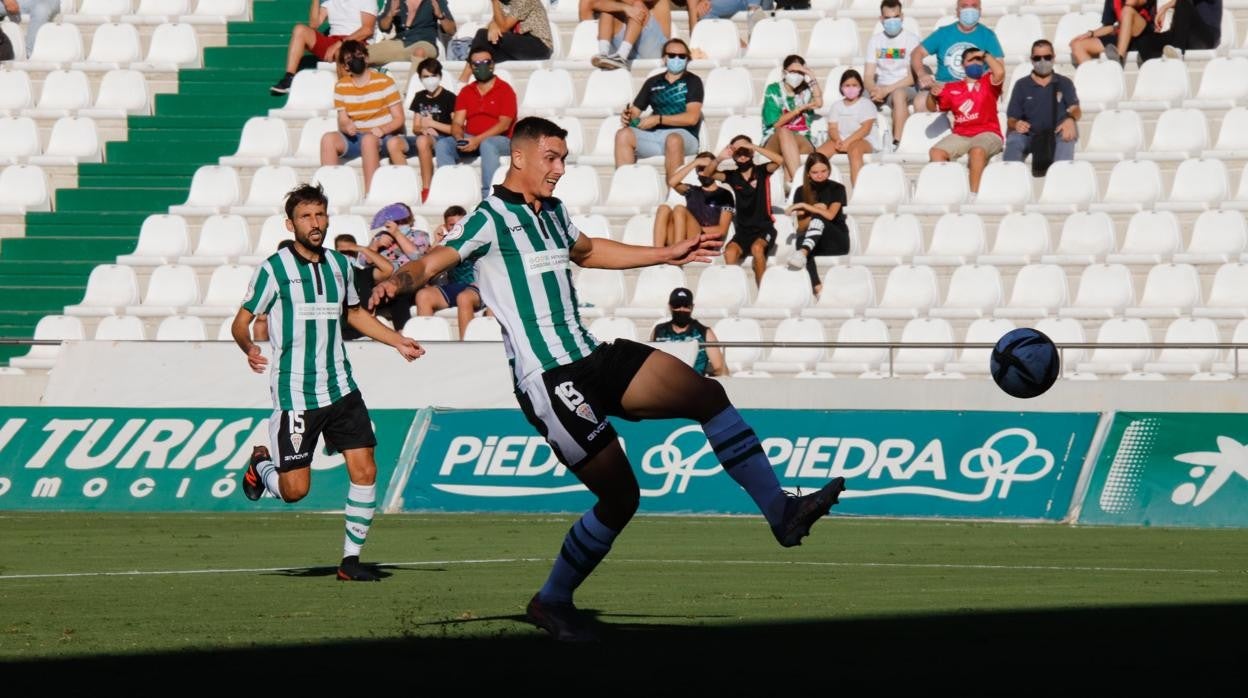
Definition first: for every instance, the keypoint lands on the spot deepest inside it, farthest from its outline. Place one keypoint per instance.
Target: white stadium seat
(634, 189)
(24, 188)
(158, 11)
(908, 293)
(722, 290)
(1161, 83)
(794, 359)
(308, 149)
(1232, 136)
(1133, 185)
(341, 184)
(717, 38)
(1223, 84)
(914, 360)
(19, 138)
(1199, 185)
(1086, 238)
(857, 359)
(651, 292)
(269, 186)
(974, 290)
(957, 238)
(1005, 187)
(881, 187)
(1116, 135)
(1105, 290)
(1170, 291)
(782, 294)
(16, 92)
(1069, 185)
(833, 41)
(941, 186)
(172, 288)
(1187, 361)
(771, 40)
(173, 46)
(64, 93)
(214, 189)
(1228, 295)
(120, 328)
(1099, 84)
(311, 94)
(734, 329)
(1021, 239)
(50, 327)
(894, 239)
(122, 92)
(112, 46)
(56, 46)
(457, 184)
(599, 291)
(393, 183)
(428, 328)
(548, 91)
(1217, 237)
(1179, 134)
(162, 240)
(110, 288)
(1039, 290)
(1152, 237)
(74, 139)
(226, 290)
(181, 328)
(1119, 361)
(981, 331)
(847, 291)
(222, 239)
(263, 142)
(609, 329)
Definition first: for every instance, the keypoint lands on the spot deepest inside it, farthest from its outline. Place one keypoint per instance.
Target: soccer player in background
(304, 290)
(521, 240)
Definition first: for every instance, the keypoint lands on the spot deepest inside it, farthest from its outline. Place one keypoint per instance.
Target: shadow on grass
(1006, 653)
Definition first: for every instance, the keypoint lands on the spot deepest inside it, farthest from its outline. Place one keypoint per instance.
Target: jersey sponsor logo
(317, 311)
(575, 402)
(545, 260)
(953, 59)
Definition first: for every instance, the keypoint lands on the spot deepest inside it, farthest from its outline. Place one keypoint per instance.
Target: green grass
(701, 575)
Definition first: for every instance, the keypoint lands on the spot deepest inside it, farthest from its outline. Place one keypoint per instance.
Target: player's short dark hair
(305, 194)
(455, 210)
(345, 237)
(1042, 42)
(534, 128)
(969, 51)
(432, 65)
(894, 4)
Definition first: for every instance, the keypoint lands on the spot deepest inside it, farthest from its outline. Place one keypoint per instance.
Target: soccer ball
(1025, 363)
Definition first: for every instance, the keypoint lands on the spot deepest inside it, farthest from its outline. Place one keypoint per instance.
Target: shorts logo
(575, 401)
(296, 428)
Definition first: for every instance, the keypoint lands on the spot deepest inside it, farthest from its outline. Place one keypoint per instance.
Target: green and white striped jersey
(525, 278)
(304, 301)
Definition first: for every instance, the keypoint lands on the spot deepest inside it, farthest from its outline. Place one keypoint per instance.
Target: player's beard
(306, 241)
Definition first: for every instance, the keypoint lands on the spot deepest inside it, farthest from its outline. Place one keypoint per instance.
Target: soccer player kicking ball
(304, 289)
(567, 383)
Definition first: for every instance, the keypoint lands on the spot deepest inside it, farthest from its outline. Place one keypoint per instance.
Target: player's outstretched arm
(367, 324)
(411, 276)
(240, 329)
(604, 253)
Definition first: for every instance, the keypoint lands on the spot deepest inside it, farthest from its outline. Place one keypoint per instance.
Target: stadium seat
(1237, 359)
(923, 130)
(1086, 238)
(1069, 26)
(173, 46)
(393, 183)
(909, 292)
(583, 47)
(158, 11)
(1133, 186)
(64, 92)
(1232, 141)
(974, 290)
(269, 186)
(1217, 237)
(651, 292)
(74, 139)
(1179, 134)
(162, 240)
(1005, 187)
(1228, 295)
(1187, 361)
(592, 225)
(1116, 135)
(848, 290)
(357, 227)
(454, 185)
(1223, 84)
(941, 187)
(1199, 185)
(15, 35)
(1170, 291)
(576, 134)
(171, 289)
(19, 139)
(1105, 290)
(881, 188)
(217, 12)
(770, 41)
(50, 327)
(1099, 84)
(1064, 331)
(639, 230)
(1021, 239)
(717, 38)
(736, 125)
(728, 91)
(606, 93)
(609, 329)
(578, 187)
(599, 292)
(308, 150)
(1016, 33)
(226, 291)
(734, 329)
(1161, 84)
(910, 360)
(957, 238)
(120, 328)
(428, 328)
(1240, 202)
(1039, 290)
(782, 294)
(341, 184)
(722, 290)
(263, 142)
(895, 239)
(16, 92)
(311, 95)
(98, 11)
(122, 92)
(548, 92)
(24, 188)
(981, 331)
(1152, 237)
(213, 190)
(634, 189)
(56, 46)
(222, 240)
(110, 288)
(794, 359)
(833, 42)
(113, 46)
(857, 359)
(181, 328)
(1119, 361)
(272, 232)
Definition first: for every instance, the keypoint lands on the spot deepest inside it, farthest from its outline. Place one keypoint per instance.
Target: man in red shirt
(485, 111)
(973, 103)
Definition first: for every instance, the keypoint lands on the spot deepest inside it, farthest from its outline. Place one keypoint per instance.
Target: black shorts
(295, 433)
(570, 404)
(745, 237)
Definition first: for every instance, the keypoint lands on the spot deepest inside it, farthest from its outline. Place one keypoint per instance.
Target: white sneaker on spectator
(609, 62)
(1172, 52)
(797, 261)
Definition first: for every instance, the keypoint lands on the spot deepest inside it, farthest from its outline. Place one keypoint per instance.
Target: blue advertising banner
(938, 464)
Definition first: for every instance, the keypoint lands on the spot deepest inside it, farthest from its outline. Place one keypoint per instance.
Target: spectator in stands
(631, 29)
(755, 10)
(370, 113)
(485, 111)
(416, 27)
(519, 30)
(851, 124)
(887, 77)
(1036, 101)
(455, 287)
(1122, 23)
(708, 207)
(671, 130)
(450, 217)
(41, 12)
(432, 109)
(751, 187)
(789, 106)
(973, 103)
(819, 205)
(683, 328)
(1197, 25)
(948, 43)
(349, 20)
(8, 10)
(364, 257)
(397, 242)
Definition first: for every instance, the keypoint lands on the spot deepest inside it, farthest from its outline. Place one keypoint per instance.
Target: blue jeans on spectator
(40, 11)
(492, 149)
(1018, 147)
(725, 9)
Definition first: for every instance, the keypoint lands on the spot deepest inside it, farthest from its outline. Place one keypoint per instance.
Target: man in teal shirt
(947, 44)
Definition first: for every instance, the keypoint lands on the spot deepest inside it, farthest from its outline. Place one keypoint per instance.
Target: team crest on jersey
(456, 232)
(575, 402)
(296, 440)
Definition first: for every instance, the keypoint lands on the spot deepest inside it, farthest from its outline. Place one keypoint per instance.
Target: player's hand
(409, 348)
(256, 360)
(703, 248)
(382, 293)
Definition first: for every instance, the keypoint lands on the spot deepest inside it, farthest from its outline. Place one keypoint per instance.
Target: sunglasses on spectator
(1042, 58)
(484, 62)
(675, 55)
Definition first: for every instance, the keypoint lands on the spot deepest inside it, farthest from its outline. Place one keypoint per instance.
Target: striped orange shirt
(368, 105)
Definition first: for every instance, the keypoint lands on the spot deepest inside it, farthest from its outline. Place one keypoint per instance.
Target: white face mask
(431, 83)
(794, 79)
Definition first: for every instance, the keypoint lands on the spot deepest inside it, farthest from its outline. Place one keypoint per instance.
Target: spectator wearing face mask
(1031, 113)
(370, 113)
(432, 110)
(485, 111)
(349, 20)
(887, 77)
(683, 328)
(395, 243)
(819, 205)
(708, 207)
(1197, 25)
(851, 124)
(519, 30)
(973, 103)
(1122, 23)
(671, 130)
(755, 228)
(948, 44)
(789, 107)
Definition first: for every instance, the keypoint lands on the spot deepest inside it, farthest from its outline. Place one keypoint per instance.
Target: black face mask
(357, 65)
(681, 318)
(705, 181)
